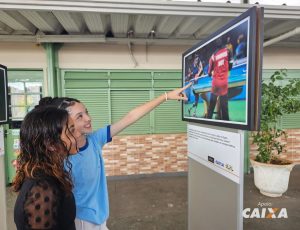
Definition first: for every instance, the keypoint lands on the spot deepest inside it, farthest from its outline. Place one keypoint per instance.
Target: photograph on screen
(221, 70)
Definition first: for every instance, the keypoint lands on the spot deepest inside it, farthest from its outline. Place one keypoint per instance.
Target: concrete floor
(159, 202)
(289, 200)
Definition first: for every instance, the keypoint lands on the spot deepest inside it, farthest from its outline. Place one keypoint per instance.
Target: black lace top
(42, 205)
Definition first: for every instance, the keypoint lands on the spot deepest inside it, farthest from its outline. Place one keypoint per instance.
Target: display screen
(221, 69)
(3, 95)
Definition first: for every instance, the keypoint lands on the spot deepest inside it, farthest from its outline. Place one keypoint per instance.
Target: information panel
(219, 150)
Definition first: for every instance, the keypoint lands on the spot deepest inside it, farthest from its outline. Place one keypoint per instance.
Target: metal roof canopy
(137, 22)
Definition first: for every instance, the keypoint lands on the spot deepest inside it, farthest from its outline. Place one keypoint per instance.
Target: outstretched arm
(140, 111)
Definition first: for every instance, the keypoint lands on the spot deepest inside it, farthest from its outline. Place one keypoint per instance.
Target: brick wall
(292, 146)
(145, 154)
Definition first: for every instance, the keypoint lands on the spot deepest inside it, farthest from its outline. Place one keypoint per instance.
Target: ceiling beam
(5, 29)
(168, 25)
(137, 41)
(53, 38)
(95, 23)
(44, 21)
(143, 24)
(190, 25)
(280, 25)
(72, 22)
(151, 7)
(16, 21)
(93, 39)
(152, 41)
(120, 24)
(212, 25)
(281, 37)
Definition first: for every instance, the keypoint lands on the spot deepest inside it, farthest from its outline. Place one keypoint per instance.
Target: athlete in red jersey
(219, 66)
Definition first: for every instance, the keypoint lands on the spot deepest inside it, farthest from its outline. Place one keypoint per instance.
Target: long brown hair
(42, 152)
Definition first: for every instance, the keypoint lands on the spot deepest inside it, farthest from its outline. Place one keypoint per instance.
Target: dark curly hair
(58, 102)
(42, 152)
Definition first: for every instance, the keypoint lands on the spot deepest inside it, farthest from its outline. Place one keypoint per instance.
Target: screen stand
(214, 200)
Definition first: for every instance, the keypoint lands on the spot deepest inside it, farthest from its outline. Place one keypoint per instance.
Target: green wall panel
(167, 75)
(290, 121)
(125, 83)
(131, 75)
(97, 103)
(25, 75)
(287, 121)
(167, 117)
(167, 83)
(123, 101)
(85, 83)
(85, 75)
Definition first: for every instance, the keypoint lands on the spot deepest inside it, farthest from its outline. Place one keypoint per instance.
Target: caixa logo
(267, 213)
(219, 163)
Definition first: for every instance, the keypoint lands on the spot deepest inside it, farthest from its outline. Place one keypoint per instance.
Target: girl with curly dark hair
(88, 174)
(45, 199)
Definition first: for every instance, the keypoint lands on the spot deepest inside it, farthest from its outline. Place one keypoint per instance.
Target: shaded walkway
(159, 202)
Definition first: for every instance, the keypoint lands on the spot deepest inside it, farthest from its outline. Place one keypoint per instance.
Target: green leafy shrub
(277, 99)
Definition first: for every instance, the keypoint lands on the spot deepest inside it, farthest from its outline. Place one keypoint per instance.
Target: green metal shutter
(96, 102)
(85, 80)
(167, 117)
(291, 121)
(122, 101)
(109, 95)
(91, 88)
(15, 75)
(169, 80)
(127, 80)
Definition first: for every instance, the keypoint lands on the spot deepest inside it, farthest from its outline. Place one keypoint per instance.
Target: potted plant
(271, 173)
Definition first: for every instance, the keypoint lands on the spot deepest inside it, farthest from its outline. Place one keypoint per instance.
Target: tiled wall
(292, 146)
(146, 154)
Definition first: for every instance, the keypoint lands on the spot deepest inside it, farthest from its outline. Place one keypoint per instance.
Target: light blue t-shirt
(88, 175)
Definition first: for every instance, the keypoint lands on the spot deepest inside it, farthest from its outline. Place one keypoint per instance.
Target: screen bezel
(5, 87)
(255, 42)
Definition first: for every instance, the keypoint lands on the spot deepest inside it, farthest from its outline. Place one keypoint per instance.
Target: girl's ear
(50, 146)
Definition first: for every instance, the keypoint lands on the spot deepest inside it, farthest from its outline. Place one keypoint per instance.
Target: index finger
(187, 86)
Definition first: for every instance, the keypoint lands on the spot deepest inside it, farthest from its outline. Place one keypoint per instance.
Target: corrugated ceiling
(163, 22)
